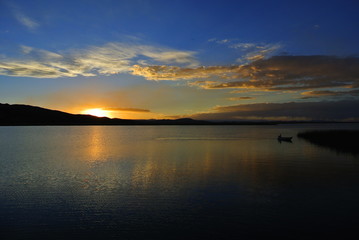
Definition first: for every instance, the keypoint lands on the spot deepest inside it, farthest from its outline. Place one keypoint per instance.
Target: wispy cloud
(26, 21)
(164, 72)
(112, 58)
(220, 41)
(169, 56)
(249, 51)
(253, 52)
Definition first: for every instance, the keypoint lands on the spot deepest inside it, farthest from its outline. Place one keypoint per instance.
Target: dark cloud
(314, 94)
(329, 110)
(296, 73)
(278, 73)
(240, 98)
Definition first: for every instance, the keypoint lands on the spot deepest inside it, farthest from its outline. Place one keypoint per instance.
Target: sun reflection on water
(96, 144)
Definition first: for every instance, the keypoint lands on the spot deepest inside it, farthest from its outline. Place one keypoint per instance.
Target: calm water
(174, 182)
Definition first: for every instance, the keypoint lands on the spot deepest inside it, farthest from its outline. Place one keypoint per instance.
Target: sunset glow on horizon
(97, 112)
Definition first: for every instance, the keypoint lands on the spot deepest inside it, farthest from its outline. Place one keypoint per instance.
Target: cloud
(254, 52)
(37, 69)
(278, 73)
(164, 72)
(240, 98)
(112, 58)
(171, 56)
(329, 110)
(127, 110)
(220, 41)
(314, 94)
(316, 73)
(298, 72)
(244, 46)
(25, 20)
(249, 51)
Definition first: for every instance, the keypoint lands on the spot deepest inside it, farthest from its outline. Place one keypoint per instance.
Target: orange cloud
(313, 94)
(127, 110)
(240, 98)
(279, 73)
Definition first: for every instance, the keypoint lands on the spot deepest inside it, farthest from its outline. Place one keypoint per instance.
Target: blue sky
(201, 59)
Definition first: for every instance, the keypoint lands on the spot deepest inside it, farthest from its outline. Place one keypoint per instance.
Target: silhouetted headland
(345, 141)
(26, 115)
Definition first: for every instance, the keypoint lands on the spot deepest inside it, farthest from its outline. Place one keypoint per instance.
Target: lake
(174, 182)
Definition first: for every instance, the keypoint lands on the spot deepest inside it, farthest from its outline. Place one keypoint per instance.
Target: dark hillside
(17, 114)
(30, 115)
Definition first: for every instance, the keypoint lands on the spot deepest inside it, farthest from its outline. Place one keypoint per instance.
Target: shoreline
(345, 141)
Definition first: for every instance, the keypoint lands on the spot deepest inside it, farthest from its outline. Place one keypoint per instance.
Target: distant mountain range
(26, 115)
(18, 114)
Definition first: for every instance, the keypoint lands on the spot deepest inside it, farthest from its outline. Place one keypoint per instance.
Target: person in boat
(280, 138)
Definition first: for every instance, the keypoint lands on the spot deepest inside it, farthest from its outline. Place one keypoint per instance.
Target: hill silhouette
(18, 114)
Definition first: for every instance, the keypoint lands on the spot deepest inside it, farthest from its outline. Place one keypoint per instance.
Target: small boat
(286, 139)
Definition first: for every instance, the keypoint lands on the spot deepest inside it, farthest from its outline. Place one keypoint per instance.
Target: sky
(155, 59)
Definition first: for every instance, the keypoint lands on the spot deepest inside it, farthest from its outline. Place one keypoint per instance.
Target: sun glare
(98, 112)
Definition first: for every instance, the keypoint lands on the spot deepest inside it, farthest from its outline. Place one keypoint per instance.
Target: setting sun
(98, 112)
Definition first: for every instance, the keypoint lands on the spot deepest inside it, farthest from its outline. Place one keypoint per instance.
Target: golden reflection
(168, 162)
(96, 144)
(140, 163)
